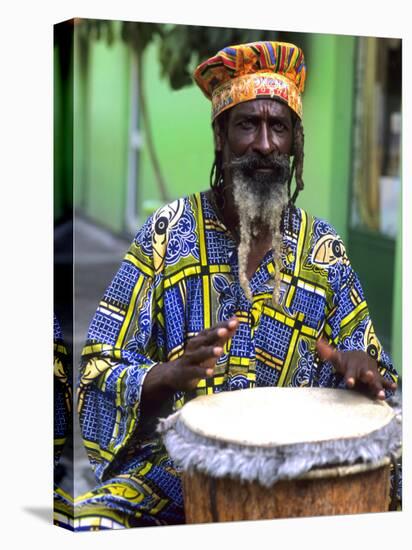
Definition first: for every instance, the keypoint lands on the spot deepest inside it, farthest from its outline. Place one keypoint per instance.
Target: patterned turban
(251, 71)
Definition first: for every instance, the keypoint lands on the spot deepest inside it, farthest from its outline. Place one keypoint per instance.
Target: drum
(267, 453)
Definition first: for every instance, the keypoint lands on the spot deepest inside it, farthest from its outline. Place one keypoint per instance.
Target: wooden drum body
(209, 499)
(270, 453)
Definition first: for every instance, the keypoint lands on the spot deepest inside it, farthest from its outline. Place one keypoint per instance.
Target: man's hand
(200, 356)
(359, 370)
(197, 362)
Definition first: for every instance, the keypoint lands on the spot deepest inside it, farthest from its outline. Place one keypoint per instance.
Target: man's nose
(263, 143)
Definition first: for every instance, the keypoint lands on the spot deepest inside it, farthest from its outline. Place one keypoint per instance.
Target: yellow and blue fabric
(180, 276)
(62, 390)
(274, 70)
(63, 504)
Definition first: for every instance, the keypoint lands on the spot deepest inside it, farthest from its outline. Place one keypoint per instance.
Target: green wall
(327, 120)
(102, 101)
(181, 125)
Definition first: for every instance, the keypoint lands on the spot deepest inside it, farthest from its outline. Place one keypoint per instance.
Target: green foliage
(139, 35)
(181, 47)
(95, 29)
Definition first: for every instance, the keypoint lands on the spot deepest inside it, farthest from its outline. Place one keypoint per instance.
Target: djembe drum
(267, 453)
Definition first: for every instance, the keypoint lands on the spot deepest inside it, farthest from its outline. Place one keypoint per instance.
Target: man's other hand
(358, 369)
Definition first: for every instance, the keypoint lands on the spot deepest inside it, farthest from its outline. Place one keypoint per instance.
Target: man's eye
(246, 124)
(278, 126)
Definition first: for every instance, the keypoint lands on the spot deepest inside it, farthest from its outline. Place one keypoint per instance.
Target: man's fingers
(389, 384)
(350, 376)
(374, 382)
(193, 375)
(202, 354)
(358, 369)
(223, 331)
(218, 334)
(381, 394)
(367, 377)
(190, 374)
(201, 372)
(370, 381)
(376, 389)
(364, 377)
(204, 338)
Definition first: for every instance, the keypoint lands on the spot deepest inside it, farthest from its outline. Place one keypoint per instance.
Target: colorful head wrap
(250, 71)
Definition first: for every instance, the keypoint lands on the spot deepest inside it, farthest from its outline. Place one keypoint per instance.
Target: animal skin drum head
(268, 434)
(268, 417)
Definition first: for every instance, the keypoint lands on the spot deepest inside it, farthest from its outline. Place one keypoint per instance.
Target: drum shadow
(41, 512)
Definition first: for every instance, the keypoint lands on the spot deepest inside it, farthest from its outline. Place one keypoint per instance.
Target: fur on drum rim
(267, 465)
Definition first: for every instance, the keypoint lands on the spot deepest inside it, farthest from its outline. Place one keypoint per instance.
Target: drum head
(272, 417)
(268, 434)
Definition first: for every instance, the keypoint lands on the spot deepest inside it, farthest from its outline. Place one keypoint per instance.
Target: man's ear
(295, 123)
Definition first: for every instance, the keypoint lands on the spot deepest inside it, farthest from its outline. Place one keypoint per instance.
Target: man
(223, 290)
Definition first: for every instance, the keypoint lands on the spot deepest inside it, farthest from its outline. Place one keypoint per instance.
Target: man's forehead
(256, 106)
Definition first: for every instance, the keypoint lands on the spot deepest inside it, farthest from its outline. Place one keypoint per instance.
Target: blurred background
(132, 132)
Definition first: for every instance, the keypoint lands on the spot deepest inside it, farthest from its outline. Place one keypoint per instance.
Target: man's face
(257, 133)
(256, 144)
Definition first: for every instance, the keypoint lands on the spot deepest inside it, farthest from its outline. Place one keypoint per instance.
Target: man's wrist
(166, 373)
(159, 379)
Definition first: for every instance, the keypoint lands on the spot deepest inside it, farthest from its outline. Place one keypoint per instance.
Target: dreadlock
(298, 154)
(216, 173)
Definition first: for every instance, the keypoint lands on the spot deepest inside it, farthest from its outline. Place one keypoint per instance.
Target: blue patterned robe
(180, 276)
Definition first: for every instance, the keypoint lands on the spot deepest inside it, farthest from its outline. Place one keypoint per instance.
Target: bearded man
(223, 290)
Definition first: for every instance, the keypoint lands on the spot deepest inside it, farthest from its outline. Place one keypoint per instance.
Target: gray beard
(258, 206)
